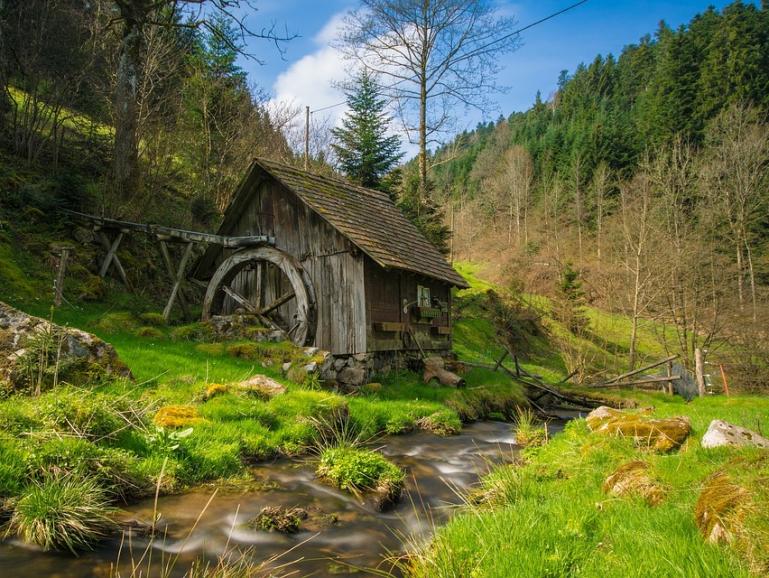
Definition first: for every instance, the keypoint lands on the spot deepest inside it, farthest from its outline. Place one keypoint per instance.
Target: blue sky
(305, 73)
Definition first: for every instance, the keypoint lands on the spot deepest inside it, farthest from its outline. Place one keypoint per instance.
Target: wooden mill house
(347, 272)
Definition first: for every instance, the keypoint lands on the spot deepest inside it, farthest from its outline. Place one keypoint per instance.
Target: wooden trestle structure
(111, 232)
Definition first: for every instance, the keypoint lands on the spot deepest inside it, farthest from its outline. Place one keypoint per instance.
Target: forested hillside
(647, 172)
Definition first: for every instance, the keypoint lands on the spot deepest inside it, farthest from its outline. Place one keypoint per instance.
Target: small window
(423, 296)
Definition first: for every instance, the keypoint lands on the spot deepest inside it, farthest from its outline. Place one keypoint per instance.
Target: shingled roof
(368, 218)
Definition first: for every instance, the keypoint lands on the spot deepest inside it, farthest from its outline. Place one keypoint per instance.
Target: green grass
(551, 517)
(360, 470)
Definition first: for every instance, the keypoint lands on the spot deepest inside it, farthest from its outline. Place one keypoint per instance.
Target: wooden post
(670, 382)
(517, 366)
(699, 369)
(58, 287)
(723, 378)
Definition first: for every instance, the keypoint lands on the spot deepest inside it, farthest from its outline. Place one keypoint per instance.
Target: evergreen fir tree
(365, 151)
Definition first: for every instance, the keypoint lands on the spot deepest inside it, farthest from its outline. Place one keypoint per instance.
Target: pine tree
(364, 149)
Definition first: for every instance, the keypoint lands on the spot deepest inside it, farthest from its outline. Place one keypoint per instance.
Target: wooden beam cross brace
(111, 256)
(248, 306)
(177, 276)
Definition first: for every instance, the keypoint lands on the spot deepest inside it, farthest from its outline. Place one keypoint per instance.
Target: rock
(310, 351)
(238, 326)
(262, 386)
(286, 367)
(311, 367)
(721, 433)
(362, 357)
(25, 340)
(658, 434)
(339, 363)
(633, 479)
(351, 376)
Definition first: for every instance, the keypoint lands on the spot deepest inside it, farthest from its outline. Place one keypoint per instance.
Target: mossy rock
(279, 519)
(153, 319)
(661, 435)
(121, 321)
(633, 479)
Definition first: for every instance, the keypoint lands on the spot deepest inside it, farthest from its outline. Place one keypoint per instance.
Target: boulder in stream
(279, 519)
(722, 433)
(34, 351)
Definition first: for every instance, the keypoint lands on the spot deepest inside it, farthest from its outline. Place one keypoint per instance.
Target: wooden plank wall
(333, 264)
(386, 291)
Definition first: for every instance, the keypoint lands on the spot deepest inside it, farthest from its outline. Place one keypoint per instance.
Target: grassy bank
(186, 415)
(551, 517)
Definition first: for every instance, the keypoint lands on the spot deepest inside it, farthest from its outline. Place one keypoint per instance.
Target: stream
(344, 535)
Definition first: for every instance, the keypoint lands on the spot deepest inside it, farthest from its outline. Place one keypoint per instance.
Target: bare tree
(738, 159)
(519, 176)
(599, 189)
(136, 17)
(431, 55)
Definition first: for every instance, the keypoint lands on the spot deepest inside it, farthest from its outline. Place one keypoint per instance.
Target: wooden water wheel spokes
(300, 326)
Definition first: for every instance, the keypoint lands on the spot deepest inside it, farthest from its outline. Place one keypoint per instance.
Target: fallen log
(635, 371)
(638, 382)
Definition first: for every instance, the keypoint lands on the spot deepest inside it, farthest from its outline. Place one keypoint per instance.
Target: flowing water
(344, 535)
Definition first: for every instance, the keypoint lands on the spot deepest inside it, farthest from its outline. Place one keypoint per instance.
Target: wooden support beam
(173, 274)
(111, 256)
(238, 298)
(501, 359)
(282, 300)
(178, 277)
(58, 287)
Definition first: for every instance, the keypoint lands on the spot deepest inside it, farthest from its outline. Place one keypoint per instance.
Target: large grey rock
(721, 433)
(26, 339)
(352, 376)
(262, 386)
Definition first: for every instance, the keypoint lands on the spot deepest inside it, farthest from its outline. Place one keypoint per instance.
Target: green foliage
(570, 301)
(60, 513)
(364, 149)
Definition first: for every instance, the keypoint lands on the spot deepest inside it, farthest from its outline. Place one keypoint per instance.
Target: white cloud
(310, 80)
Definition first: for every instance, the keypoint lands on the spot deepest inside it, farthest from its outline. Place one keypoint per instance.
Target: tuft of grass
(121, 321)
(63, 513)
(528, 429)
(149, 332)
(278, 519)
(153, 319)
(359, 470)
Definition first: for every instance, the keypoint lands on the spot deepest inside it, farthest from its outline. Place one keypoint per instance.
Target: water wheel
(268, 283)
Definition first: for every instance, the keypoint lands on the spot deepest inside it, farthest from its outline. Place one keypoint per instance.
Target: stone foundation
(358, 369)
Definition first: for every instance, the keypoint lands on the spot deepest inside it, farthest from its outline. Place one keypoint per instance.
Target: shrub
(117, 470)
(84, 413)
(153, 319)
(12, 471)
(359, 470)
(60, 513)
(118, 322)
(149, 332)
(199, 331)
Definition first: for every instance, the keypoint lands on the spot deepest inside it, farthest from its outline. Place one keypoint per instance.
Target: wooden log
(723, 379)
(435, 369)
(501, 359)
(636, 371)
(663, 378)
(699, 371)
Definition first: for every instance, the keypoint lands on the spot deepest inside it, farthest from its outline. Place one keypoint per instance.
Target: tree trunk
(126, 162)
(752, 274)
(739, 276)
